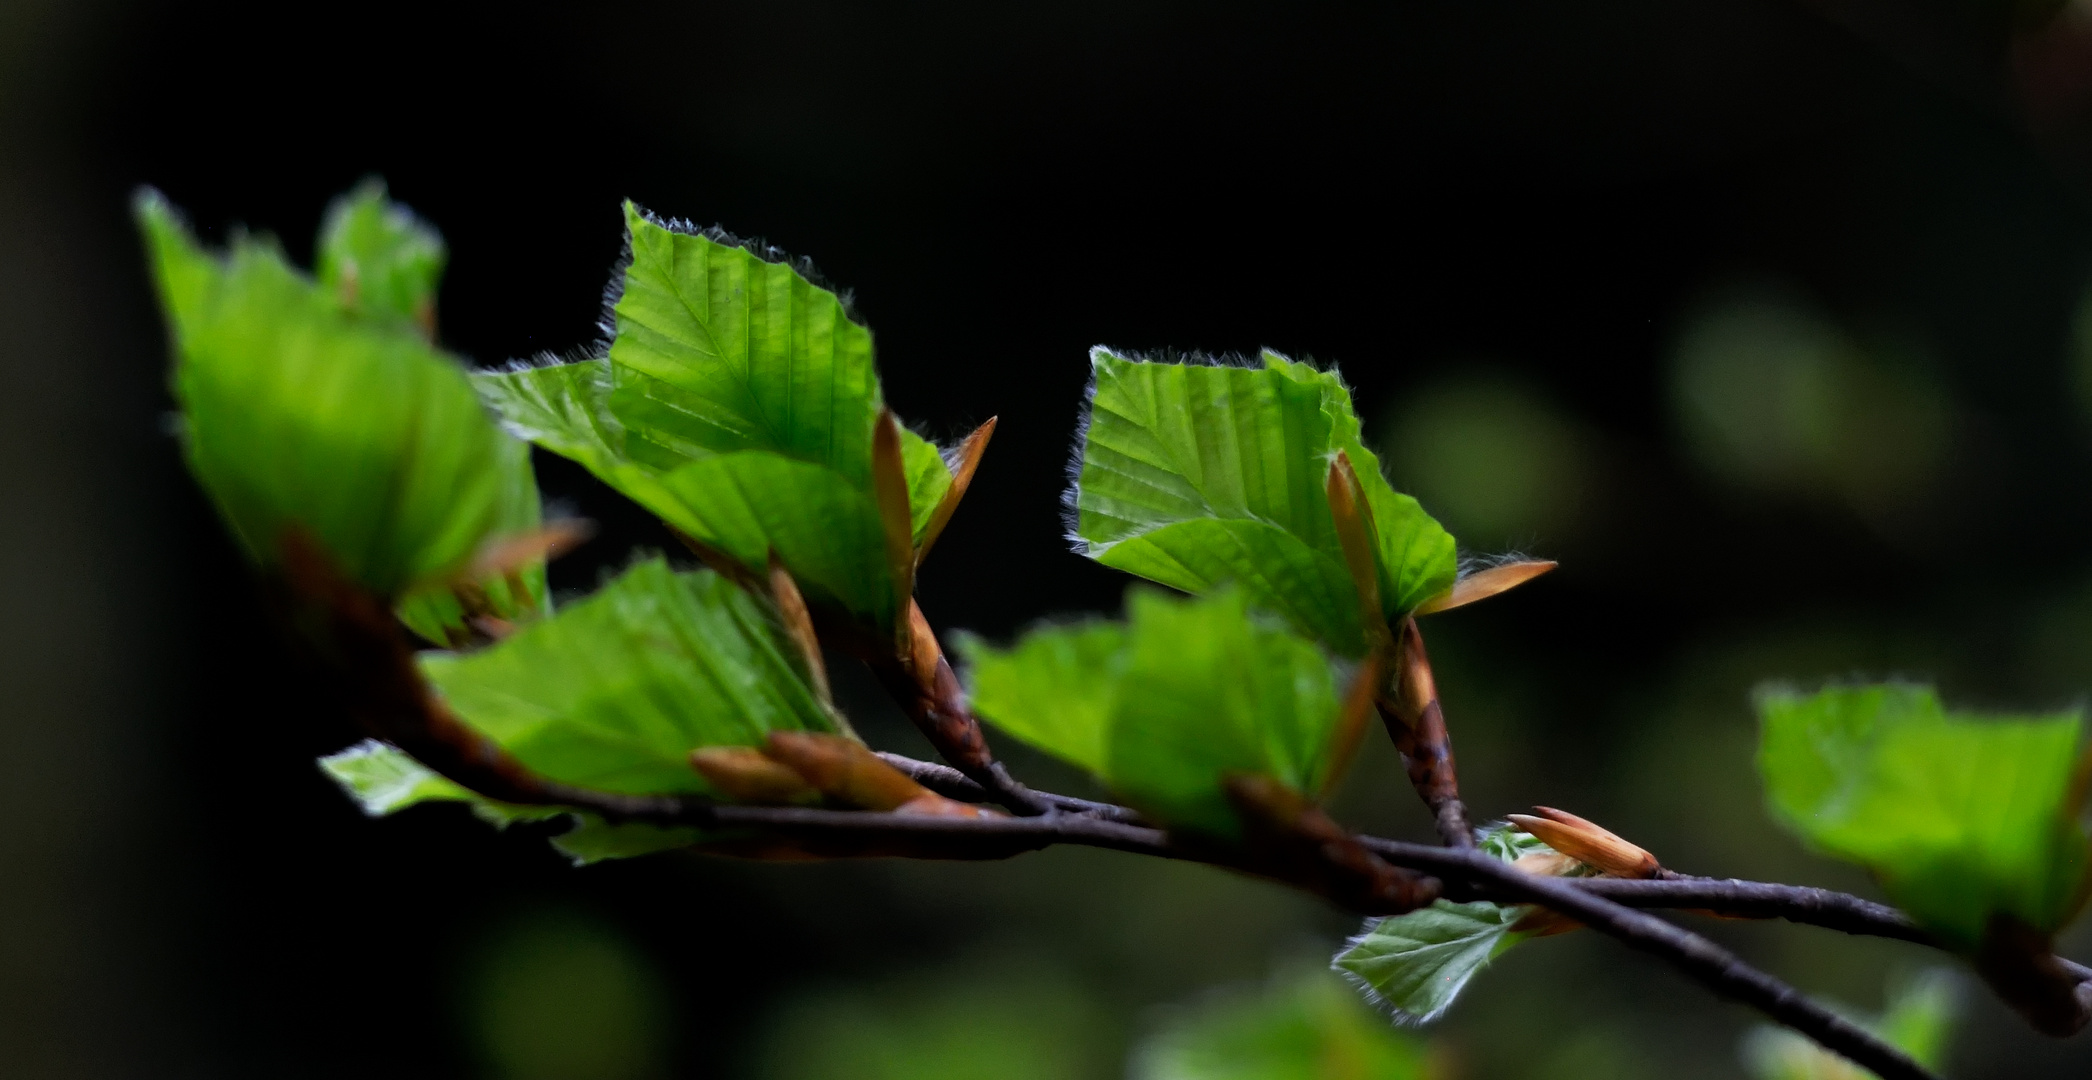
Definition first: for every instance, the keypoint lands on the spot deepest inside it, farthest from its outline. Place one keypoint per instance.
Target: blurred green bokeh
(558, 995)
(1493, 459)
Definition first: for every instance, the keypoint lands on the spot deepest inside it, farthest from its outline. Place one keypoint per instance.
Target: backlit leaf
(615, 691)
(1960, 817)
(1197, 474)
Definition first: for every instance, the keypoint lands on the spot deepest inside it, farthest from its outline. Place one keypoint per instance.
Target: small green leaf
(1961, 818)
(1301, 1029)
(383, 780)
(1416, 964)
(1194, 475)
(929, 477)
(378, 259)
(1188, 693)
(616, 690)
(297, 414)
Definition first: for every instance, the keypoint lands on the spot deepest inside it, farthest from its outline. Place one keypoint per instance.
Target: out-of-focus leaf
(378, 259)
(438, 611)
(616, 690)
(1194, 475)
(593, 840)
(297, 413)
(1308, 1028)
(1055, 689)
(382, 779)
(1961, 818)
(1186, 694)
(1919, 1020)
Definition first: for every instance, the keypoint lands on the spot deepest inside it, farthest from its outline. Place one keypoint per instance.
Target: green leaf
(1186, 694)
(297, 414)
(593, 840)
(383, 780)
(1193, 475)
(719, 349)
(1301, 1029)
(1416, 964)
(736, 402)
(1961, 818)
(378, 259)
(438, 612)
(615, 691)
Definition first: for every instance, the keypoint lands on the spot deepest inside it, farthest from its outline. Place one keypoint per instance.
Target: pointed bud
(969, 458)
(848, 773)
(1588, 843)
(1485, 584)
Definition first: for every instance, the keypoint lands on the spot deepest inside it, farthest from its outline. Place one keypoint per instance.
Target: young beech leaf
(736, 401)
(1197, 474)
(615, 691)
(297, 413)
(1961, 818)
(1417, 964)
(378, 259)
(1303, 1028)
(384, 780)
(1168, 705)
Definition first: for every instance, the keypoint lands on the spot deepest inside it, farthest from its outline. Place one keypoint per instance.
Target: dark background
(1759, 314)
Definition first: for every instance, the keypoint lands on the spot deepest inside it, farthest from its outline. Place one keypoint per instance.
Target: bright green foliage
(1920, 1017)
(1309, 1028)
(737, 402)
(1417, 964)
(1961, 818)
(378, 259)
(615, 691)
(1168, 705)
(1196, 474)
(383, 780)
(299, 414)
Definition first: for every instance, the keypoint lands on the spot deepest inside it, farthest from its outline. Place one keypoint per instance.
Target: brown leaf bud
(1588, 843)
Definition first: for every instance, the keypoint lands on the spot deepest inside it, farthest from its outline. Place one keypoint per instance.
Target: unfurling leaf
(1195, 475)
(1164, 707)
(1963, 819)
(737, 400)
(1303, 1028)
(298, 412)
(614, 692)
(1417, 964)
